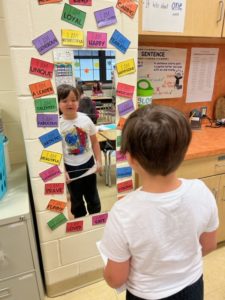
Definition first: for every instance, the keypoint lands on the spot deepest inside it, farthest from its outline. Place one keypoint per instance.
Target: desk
(101, 98)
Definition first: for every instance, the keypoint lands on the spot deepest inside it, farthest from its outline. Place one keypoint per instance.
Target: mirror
(92, 72)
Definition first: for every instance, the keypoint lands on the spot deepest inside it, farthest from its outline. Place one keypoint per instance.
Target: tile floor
(214, 278)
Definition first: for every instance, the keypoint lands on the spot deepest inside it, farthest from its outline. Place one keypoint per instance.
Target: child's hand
(99, 167)
(68, 180)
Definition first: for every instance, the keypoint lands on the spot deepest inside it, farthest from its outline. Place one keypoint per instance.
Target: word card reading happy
(125, 67)
(124, 90)
(96, 39)
(50, 157)
(56, 205)
(57, 221)
(74, 226)
(105, 17)
(125, 107)
(50, 173)
(45, 42)
(45, 105)
(81, 2)
(41, 68)
(41, 89)
(73, 15)
(50, 138)
(72, 37)
(128, 7)
(119, 41)
(54, 188)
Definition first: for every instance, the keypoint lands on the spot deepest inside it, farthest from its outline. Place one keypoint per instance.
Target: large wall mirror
(92, 71)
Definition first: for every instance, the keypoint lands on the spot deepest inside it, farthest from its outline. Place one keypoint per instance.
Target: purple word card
(47, 120)
(45, 42)
(105, 17)
(125, 107)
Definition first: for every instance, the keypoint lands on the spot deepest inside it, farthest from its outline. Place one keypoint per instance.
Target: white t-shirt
(76, 141)
(160, 232)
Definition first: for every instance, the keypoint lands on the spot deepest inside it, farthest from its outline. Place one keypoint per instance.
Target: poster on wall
(202, 74)
(171, 12)
(164, 68)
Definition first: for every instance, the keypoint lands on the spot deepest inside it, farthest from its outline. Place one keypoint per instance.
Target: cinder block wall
(70, 260)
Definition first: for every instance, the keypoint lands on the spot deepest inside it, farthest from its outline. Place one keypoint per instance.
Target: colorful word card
(125, 67)
(47, 120)
(73, 15)
(41, 89)
(125, 107)
(57, 221)
(54, 188)
(50, 173)
(121, 123)
(120, 157)
(50, 138)
(48, 1)
(99, 219)
(81, 2)
(129, 7)
(118, 140)
(96, 39)
(45, 42)
(123, 172)
(45, 105)
(72, 37)
(56, 205)
(125, 186)
(105, 17)
(74, 226)
(41, 68)
(119, 41)
(125, 90)
(53, 158)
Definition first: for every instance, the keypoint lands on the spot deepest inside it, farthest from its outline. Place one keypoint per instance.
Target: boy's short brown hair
(63, 91)
(157, 137)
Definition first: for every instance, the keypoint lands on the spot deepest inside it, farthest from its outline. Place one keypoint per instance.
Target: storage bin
(3, 179)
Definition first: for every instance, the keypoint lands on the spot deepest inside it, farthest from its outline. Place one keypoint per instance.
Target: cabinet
(204, 18)
(20, 277)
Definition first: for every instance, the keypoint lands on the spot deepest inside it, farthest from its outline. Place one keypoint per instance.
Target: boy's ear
(131, 161)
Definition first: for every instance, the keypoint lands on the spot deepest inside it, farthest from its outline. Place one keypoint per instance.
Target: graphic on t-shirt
(76, 141)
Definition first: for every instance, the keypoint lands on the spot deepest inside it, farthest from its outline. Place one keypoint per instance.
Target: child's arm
(97, 151)
(208, 241)
(116, 273)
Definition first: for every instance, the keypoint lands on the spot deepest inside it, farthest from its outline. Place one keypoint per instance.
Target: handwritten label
(48, 1)
(41, 89)
(50, 138)
(119, 41)
(56, 205)
(73, 15)
(74, 226)
(105, 17)
(45, 42)
(50, 157)
(121, 123)
(54, 188)
(129, 7)
(120, 157)
(125, 107)
(72, 38)
(125, 186)
(123, 172)
(99, 219)
(47, 120)
(125, 67)
(41, 68)
(57, 221)
(45, 105)
(125, 90)
(96, 39)
(118, 140)
(81, 2)
(50, 173)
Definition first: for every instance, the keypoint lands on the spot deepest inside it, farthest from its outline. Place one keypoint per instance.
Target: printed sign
(45, 42)
(125, 107)
(57, 221)
(128, 7)
(96, 39)
(73, 15)
(105, 17)
(121, 123)
(50, 173)
(72, 37)
(41, 68)
(74, 226)
(120, 157)
(123, 172)
(45, 105)
(125, 90)
(125, 67)
(125, 186)
(50, 157)
(81, 2)
(119, 41)
(50, 138)
(48, 1)
(99, 219)
(41, 89)
(47, 120)
(54, 188)
(56, 205)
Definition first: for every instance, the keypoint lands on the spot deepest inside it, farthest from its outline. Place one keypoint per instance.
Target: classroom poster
(63, 61)
(164, 68)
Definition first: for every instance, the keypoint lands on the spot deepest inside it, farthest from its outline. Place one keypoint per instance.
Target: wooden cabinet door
(221, 206)
(204, 18)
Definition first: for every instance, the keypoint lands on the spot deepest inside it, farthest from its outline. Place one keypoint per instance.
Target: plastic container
(3, 176)
(6, 152)
(144, 92)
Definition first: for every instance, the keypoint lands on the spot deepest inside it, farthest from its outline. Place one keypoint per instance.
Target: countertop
(205, 142)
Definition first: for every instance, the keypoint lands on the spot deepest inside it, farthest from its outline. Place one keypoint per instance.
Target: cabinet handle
(5, 293)
(221, 11)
